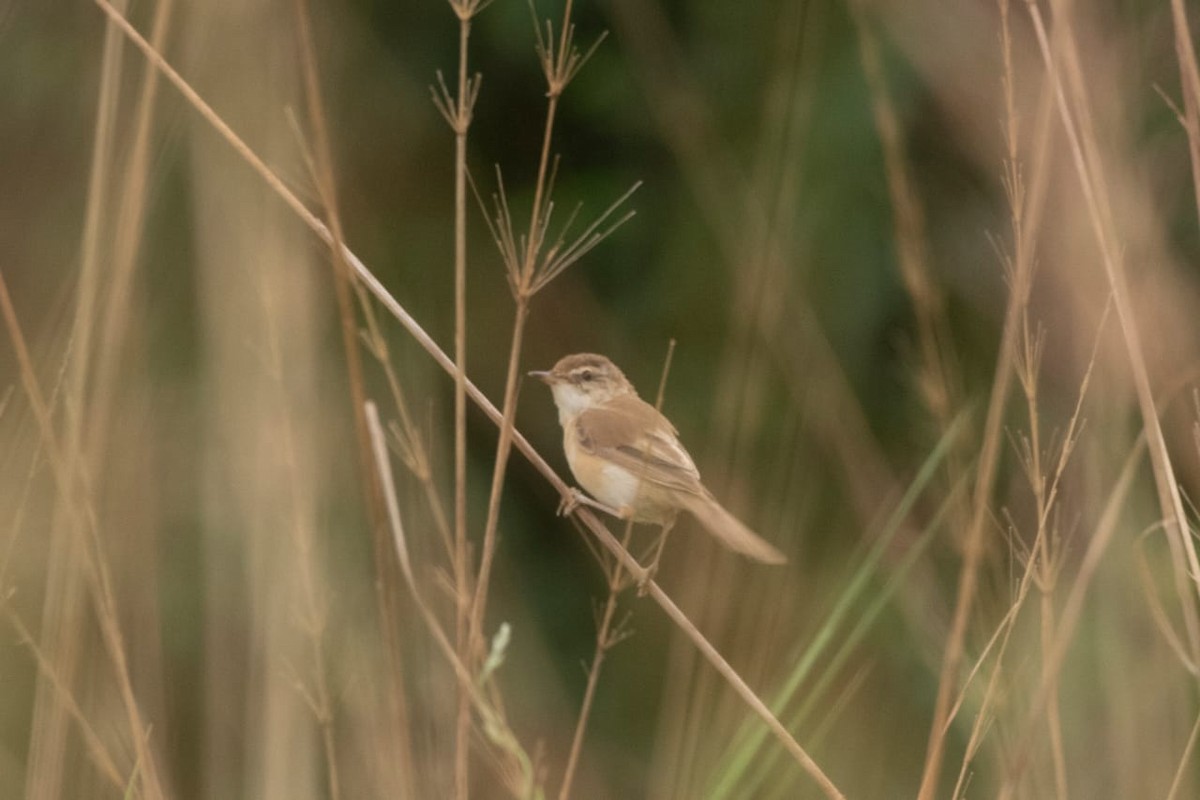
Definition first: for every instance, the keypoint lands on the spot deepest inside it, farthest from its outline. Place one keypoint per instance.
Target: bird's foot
(650, 571)
(571, 503)
(646, 578)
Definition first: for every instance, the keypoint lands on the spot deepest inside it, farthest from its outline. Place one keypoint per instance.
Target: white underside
(618, 488)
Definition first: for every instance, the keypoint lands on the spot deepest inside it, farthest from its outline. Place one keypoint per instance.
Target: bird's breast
(616, 486)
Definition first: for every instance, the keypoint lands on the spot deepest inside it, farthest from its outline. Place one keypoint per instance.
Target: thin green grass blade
(732, 768)
(865, 622)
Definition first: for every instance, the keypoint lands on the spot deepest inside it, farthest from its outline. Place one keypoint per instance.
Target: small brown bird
(627, 455)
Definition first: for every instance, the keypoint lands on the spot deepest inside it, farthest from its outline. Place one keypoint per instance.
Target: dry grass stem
(973, 546)
(934, 380)
(1026, 206)
(1070, 616)
(95, 746)
(530, 266)
(1184, 758)
(492, 718)
(1189, 79)
(1085, 160)
(324, 178)
(458, 111)
(1038, 559)
(406, 436)
(48, 732)
(73, 494)
(127, 241)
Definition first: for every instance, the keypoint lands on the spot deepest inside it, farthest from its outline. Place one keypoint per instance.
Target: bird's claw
(646, 578)
(651, 570)
(568, 504)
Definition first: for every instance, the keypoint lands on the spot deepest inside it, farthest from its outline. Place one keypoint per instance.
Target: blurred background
(911, 343)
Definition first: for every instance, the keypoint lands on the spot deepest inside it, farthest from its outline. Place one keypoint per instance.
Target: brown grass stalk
(1184, 760)
(908, 223)
(376, 288)
(1027, 206)
(526, 275)
(529, 269)
(343, 280)
(64, 613)
(463, 107)
(974, 544)
(96, 749)
(1069, 619)
(64, 604)
(1077, 124)
(458, 111)
(1046, 554)
(1046, 491)
(1189, 79)
(937, 381)
(522, 784)
(1043, 487)
(93, 222)
(55, 705)
(72, 491)
(312, 613)
(127, 242)
(607, 637)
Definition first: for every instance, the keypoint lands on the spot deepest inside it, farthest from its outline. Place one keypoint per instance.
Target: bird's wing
(630, 433)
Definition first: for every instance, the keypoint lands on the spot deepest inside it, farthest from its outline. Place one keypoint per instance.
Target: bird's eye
(586, 375)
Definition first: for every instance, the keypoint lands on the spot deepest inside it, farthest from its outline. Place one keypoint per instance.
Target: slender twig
(974, 545)
(82, 519)
(494, 724)
(406, 435)
(121, 271)
(342, 279)
(107, 269)
(1081, 137)
(1038, 553)
(96, 748)
(1189, 78)
(458, 111)
(908, 222)
(1184, 759)
(1027, 206)
(1072, 612)
(45, 767)
(1043, 554)
(530, 269)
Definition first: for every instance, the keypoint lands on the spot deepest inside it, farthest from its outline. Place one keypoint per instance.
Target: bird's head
(582, 381)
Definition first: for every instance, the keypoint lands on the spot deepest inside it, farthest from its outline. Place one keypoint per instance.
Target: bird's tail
(730, 531)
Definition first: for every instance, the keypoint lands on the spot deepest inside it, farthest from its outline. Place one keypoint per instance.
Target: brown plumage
(628, 456)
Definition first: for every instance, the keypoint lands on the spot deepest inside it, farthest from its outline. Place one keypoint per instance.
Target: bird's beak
(543, 376)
